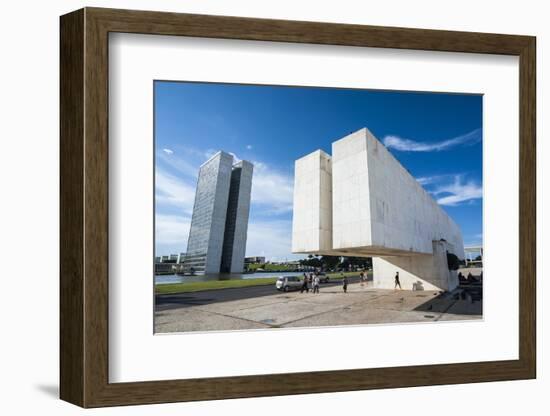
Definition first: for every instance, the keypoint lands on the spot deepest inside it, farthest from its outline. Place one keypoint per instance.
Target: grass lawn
(334, 276)
(211, 284)
(226, 284)
(268, 267)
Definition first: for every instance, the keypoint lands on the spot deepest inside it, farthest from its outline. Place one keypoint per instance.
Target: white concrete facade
(312, 214)
(377, 210)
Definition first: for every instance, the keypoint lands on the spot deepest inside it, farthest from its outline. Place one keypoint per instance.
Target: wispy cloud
(272, 189)
(207, 154)
(171, 232)
(176, 181)
(182, 165)
(271, 239)
(173, 191)
(168, 151)
(408, 145)
(236, 159)
(457, 192)
(249, 146)
(429, 180)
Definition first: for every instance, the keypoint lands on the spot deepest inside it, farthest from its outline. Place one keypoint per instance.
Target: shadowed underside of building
(362, 202)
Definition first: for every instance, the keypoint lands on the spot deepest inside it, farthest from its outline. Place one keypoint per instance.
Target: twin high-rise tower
(217, 238)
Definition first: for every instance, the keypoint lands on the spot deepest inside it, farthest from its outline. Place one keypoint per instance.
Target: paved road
(205, 297)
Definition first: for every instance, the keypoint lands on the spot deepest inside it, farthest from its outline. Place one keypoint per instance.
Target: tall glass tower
(217, 238)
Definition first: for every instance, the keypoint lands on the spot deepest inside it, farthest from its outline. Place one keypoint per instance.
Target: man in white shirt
(316, 282)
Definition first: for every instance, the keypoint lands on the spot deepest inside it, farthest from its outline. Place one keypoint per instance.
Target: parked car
(286, 283)
(323, 277)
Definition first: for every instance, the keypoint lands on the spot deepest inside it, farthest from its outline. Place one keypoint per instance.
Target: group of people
(310, 280)
(469, 279)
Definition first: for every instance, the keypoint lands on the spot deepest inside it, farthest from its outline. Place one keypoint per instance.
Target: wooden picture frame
(84, 207)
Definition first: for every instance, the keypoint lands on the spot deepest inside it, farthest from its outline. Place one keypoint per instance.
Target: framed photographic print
(255, 207)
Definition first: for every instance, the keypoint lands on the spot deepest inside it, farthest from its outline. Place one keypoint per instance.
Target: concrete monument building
(217, 237)
(362, 202)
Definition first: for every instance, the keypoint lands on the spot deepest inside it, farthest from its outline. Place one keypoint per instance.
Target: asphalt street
(181, 300)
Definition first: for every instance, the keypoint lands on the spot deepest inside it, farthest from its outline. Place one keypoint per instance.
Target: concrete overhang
(366, 251)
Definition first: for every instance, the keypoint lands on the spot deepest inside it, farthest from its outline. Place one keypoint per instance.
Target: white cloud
(179, 164)
(168, 151)
(198, 155)
(236, 159)
(272, 189)
(458, 192)
(249, 146)
(174, 191)
(407, 145)
(172, 230)
(427, 181)
(271, 239)
(207, 154)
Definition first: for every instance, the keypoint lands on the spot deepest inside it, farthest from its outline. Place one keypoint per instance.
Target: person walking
(345, 283)
(397, 282)
(316, 282)
(362, 278)
(304, 284)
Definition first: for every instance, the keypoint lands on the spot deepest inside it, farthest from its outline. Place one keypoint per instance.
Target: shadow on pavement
(465, 300)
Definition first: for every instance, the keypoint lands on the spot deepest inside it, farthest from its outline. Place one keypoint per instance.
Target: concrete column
(419, 272)
(312, 214)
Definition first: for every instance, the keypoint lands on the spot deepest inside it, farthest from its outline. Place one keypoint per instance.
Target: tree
(452, 261)
(357, 262)
(330, 262)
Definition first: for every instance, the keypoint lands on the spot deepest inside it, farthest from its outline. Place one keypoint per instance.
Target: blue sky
(437, 137)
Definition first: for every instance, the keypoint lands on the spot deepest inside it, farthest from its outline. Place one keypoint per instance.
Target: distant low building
(164, 268)
(172, 263)
(474, 255)
(172, 258)
(254, 260)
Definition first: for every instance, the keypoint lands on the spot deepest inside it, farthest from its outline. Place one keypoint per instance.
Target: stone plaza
(361, 305)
